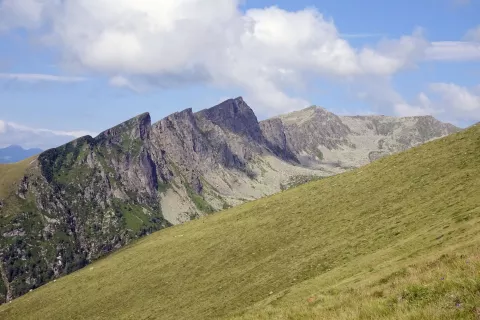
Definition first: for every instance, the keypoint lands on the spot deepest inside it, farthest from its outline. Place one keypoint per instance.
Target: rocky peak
(317, 121)
(174, 120)
(184, 114)
(135, 128)
(236, 116)
(306, 129)
(129, 136)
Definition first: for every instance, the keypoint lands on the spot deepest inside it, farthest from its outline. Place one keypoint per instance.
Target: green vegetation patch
(11, 174)
(199, 201)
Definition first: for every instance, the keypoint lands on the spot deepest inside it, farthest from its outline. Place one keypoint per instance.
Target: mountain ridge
(80, 201)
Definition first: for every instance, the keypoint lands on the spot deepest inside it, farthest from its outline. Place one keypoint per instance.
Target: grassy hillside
(396, 239)
(11, 174)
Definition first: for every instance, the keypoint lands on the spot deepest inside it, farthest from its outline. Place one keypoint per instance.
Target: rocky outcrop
(318, 137)
(305, 130)
(236, 116)
(380, 136)
(84, 199)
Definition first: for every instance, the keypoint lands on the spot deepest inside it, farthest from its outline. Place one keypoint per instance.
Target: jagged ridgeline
(75, 203)
(84, 199)
(81, 201)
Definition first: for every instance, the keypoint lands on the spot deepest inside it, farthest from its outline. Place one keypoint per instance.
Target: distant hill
(396, 239)
(14, 154)
(76, 203)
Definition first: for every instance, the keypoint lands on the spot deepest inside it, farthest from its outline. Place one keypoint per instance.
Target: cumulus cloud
(421, 107)
(28, 137)
(446, 101)
(382, 97)
(261, 51)
(267, 53)
(25, 13)
(459, 102)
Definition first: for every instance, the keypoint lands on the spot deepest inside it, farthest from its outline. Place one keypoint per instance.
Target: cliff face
(234, 116)
(79, 201)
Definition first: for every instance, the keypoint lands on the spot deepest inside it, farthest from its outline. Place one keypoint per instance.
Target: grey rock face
(313, 126)
(275, 133)
(236, 116)
(305, 130)
(91, 196)
(383, 135)
(178, 140)
(318, 137)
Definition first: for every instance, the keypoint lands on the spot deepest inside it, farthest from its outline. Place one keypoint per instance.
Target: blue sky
(75, 67)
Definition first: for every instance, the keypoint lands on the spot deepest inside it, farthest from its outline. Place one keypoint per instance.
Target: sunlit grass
(10, 174)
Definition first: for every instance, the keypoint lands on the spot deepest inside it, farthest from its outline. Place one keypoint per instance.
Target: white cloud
(445, 101)
(453, 51)
(18, 134)
(261, 51)
(473, 34)
(459, 100)
(27, 13)
(422, 106)
(33, 77)
(407, 110)
(268, 53)
(383, 98)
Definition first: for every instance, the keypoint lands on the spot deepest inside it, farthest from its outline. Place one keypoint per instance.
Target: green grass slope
(10, 175)
(397, 239)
